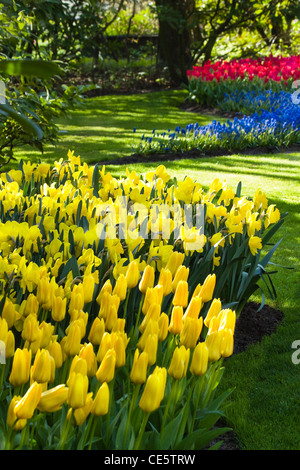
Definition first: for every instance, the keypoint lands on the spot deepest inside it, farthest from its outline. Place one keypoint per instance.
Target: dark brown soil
(251, 326)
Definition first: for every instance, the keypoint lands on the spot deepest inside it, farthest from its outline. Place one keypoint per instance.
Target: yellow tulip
(213, 343)
(154, 390)
(120, 288)
(199, 359)
(87, 353)
(43, 368)
(78, 389)
(181, 294)
(12, 420)
(163, 325)
(208, 287)
(194, 307)
(151, 348)
(88, 284)
(72, 342)
(52, 400)
(20, 369)
(97, 331)
(214, 310)
(106, 370)
(139, 367)
(176, 322)
(147, 279)
(80, 414)
(25, 408)
(179, 363)
(165, 280)
(58, 311)
(181, 274)
(175, 260)
(100, 404)
(132, 274)
(226, 347)
(190, 332)
(31, 331)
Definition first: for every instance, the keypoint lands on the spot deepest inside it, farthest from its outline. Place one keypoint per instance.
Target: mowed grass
(264, 406)
(102, 128)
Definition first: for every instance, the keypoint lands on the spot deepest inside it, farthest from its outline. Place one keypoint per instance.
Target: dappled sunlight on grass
(103, 128)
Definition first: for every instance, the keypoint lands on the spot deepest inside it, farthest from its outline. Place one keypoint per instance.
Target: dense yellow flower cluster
(78, 307)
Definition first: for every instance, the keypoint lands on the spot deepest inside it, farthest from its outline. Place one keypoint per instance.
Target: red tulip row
(267, 68)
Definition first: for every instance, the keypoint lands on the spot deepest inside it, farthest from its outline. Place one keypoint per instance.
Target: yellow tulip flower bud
(132, 274)
(78, 388)
(47, 331)
(163, 325)
(193, 308)
(107, 287)
(152, 314)
(9, 313)
(199, 360)
(31, 305)
(20, 369)
(179, 362)
(43, 368)
(151, 348)
(105, 345)
(139, 367)
(181, 274)
(181, 294)
(25, 408)
(43, 291)
(120, 288)
(147, 279)
(9, 345)
(56, 352)
(80, 414)
(97, 331)
(175, 260)
(226, 347)
(31, 331)
(52, 400)
(213, 343)
(58, 311)
(227, 320)
(214, 310)
(214, 324)
(76, 299)
(208, 287)
(119, 347)
(154, 390)
(165, 280)
(78, 365)
(87, 353)
(12, 420)
(72, 343)
(151, 329)
(100, 404)
(176, 322)
(106, 370)
(190, 332)
(88, 284)
(3, 329)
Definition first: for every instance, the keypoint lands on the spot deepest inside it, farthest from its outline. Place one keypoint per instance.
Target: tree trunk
(174, 37)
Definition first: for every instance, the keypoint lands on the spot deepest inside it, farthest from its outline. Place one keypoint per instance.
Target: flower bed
(209, 83)
(114, 324)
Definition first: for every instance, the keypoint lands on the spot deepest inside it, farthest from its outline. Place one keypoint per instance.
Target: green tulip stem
(141, 431)
(138, 316)
(131, 406)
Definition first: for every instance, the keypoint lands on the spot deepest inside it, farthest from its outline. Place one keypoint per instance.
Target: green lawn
(102, 129)
(264, 406)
